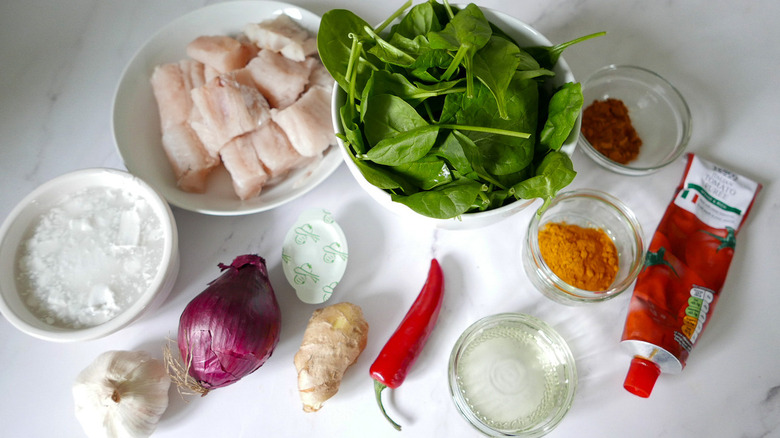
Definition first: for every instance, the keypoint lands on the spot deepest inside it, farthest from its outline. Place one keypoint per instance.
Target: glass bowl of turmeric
(634, 121)
(585, 247)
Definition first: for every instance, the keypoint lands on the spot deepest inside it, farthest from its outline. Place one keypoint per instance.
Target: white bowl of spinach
(458, 115)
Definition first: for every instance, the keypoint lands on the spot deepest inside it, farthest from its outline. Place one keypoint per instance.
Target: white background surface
(60, 63)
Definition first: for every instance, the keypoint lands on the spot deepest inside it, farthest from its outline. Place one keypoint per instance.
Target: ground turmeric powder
(585, 258)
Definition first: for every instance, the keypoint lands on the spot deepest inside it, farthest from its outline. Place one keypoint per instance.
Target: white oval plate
(136, 124)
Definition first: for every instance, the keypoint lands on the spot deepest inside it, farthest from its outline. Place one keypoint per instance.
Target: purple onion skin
(231, 328)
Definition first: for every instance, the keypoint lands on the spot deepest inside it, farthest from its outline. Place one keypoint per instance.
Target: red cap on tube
(641, 377)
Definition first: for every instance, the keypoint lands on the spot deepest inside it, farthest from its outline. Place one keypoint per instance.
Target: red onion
(231, 328)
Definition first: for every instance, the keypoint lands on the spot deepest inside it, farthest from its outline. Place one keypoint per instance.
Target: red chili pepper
(404, 346)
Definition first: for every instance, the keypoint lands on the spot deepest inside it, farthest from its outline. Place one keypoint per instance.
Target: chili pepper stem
(378, 387)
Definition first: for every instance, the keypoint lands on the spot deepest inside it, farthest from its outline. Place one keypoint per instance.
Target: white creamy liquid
(507, 379)
(89, 257)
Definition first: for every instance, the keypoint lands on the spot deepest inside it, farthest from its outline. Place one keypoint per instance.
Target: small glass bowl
(511, 374)
(657, 110)
(588, 209)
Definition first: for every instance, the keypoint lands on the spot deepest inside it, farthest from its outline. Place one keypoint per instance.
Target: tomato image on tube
(685, 269)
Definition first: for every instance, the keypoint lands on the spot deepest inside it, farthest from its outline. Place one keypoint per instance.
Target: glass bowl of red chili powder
(634, 121)
(585, 247)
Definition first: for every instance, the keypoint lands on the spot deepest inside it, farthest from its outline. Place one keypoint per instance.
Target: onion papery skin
(231, 328)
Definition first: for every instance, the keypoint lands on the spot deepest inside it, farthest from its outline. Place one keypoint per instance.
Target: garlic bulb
(122, 394)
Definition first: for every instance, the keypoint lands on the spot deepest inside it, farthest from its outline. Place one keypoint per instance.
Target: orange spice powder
(585, 258)
(607, 126)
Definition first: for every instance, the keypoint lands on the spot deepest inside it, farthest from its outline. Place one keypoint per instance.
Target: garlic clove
(122, 394)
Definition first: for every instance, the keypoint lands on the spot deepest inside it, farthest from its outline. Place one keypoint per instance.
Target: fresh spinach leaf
(426, 173)
(376, 175)
(511, 179)
(443, 202)
(388, 116)
(534, 74)
(353, 135)
(495, 65)
(467, 32)
(397, 133)
(393, 16)
(413, 46)
(387, 52)
(502, 154)
(420, 20)
(383, 178)
(338, 28)
(476, 157)
(430, 65)
(553, 173)
(452, 151)
(396, 84)
(563, 110)
(405, 147)
(496, 199)
(440, 88)
(526, 61)
(548, 56)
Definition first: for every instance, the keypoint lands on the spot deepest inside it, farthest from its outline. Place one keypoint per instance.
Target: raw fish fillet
(209, 73)
(230, 105)
(319, 75)
(197, 123)
(216, 107)
(246, 171)
(299, 52)
(171, 84)
(193, 73)
(274, 150)
(189, 159)
(307, 122)
(204, 133)
(221, 52)
(283, 35)
(248, 44)
(279, 79)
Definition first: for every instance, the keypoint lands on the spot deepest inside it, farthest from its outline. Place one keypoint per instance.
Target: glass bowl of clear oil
(511, 374)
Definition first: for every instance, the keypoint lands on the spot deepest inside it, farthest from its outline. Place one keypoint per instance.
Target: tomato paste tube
(685, 267)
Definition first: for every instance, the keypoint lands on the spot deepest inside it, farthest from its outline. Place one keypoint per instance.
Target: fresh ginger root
(333, 340)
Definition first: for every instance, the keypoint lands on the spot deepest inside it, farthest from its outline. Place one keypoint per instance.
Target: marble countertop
(61, 61)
